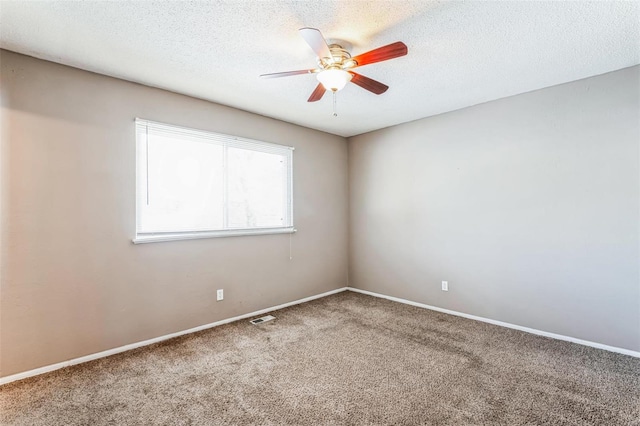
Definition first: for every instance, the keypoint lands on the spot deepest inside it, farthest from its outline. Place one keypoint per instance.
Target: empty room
(319, 212)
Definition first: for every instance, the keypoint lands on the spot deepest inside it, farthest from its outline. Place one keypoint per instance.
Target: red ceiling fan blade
(368, 83)
(390, 51)
(316, 41)
(286, 73)
(317, 93)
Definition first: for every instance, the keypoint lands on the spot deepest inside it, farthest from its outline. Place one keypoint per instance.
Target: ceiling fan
(335, 64)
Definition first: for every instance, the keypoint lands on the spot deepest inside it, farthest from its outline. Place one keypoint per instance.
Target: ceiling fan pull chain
(335, 113)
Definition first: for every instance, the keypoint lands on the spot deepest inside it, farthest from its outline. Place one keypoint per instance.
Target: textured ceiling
(460, 53)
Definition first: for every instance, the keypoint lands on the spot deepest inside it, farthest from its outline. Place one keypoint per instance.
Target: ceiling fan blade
(316, 41)
(368, 83)
(286, 73)
(390, 51)
(317, 93)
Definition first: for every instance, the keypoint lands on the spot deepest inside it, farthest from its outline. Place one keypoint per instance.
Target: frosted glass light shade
(334, 79)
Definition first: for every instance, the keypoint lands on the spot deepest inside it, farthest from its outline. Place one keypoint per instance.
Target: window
(196, 184)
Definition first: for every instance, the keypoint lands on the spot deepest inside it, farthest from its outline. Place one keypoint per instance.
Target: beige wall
(528, 206)
(72, 282)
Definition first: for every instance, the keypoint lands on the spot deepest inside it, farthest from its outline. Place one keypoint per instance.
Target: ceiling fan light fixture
(334, 79)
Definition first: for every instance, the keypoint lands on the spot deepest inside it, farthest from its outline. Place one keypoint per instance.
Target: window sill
(177, 236)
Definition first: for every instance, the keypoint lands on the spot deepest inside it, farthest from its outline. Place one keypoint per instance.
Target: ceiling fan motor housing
(340, 58)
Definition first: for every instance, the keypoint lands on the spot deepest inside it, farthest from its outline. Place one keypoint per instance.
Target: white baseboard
(53, 367)
(502, 324)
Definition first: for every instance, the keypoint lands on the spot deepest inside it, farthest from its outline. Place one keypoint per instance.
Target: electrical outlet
(220, 295)
(445, 285)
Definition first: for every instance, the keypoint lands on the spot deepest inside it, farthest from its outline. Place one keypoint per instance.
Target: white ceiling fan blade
(286, 73)
(316, 41)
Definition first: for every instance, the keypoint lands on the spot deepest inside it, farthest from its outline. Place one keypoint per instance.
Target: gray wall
(528, 206)
(72, 283)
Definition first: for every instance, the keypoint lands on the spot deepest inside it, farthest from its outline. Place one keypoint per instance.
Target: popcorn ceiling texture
(344, 359)
(460, 53)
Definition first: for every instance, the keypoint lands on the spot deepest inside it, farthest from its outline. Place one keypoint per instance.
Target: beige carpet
(345, 359)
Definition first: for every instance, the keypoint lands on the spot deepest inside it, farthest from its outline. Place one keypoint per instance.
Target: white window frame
(142, 128)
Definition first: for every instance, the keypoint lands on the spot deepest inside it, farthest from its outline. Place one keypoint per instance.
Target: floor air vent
(262, 319)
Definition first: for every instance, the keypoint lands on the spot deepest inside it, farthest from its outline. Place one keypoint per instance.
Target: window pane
(185, 179)
(257, 189)
(195, 184)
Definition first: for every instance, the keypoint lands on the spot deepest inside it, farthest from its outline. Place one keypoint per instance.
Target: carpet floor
(346, 359)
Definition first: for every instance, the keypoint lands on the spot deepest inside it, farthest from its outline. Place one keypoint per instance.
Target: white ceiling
(460, 53)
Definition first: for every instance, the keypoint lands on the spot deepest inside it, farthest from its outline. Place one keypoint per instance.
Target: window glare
(185, 185)
(256, 189)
